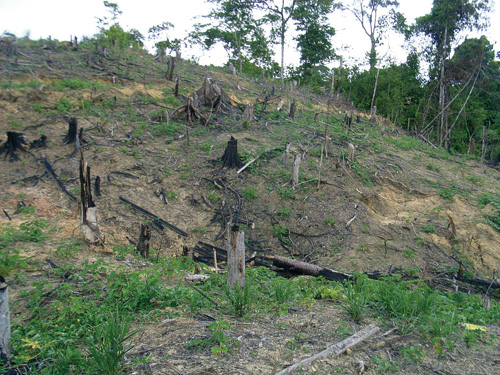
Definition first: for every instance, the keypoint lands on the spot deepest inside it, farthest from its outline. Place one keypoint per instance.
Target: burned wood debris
(157, 221)
(53, 173)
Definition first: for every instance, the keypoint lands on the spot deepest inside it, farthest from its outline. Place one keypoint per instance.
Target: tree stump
(88, 208)
(143, 244)
(231, 159)
(248, 114)
(293, 107)
(15, 141)
(350, 154)
(72, 135)
(235, 257)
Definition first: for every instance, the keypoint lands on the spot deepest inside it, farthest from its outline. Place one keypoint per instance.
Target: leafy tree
(163, 42)
(314, 39)
(237, 30)
(367, 14)
(442, 25)
(111, 34)
(280, 12)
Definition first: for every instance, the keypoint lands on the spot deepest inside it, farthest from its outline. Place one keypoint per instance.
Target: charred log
(61, 185)
(39, 143)
(15, 141)
(231, 159)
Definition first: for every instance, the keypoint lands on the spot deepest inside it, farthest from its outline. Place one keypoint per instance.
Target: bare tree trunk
(235, 256)
(483, 148)
(4, 321)
(296, 167)
(374, 93)
(442, 93)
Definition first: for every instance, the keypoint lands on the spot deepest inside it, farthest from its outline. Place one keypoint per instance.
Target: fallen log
(336, 349)
(61, 185)
(309, 269)
(155, 218)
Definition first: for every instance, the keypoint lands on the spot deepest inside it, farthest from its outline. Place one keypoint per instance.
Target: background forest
(445, 93)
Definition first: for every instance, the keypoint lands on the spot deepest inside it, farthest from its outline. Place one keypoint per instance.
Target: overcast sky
(62, 18)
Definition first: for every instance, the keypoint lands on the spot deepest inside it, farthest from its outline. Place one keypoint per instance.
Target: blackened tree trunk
(15, 141)
(88, 207)
(72, 136)
(97, 186)
(170, 74)
(144, 238)
(231, 159)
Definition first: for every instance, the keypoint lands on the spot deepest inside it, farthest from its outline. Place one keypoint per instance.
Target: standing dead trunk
(293, 106)
(295, 172)
(483, 147)
(176, 89)
(4, 321)
(231, 159)
(170, 74)
(144, 238)
(248, 114)
(97, 186)
(235, 257)
(88, 209)
(374, 94)
(350, 154)
(72, 135)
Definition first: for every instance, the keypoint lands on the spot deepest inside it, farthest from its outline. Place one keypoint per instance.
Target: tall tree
(442, 25)
(236, 28)
(367, 14)
(159, 33)
(314, 39)
(280, 12)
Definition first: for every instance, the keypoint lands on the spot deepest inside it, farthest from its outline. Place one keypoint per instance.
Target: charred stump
(143, 244)
(176, 89)
(72, 135)
(171, 67)
(88, 207)
(231, 159)
(15, 141)
(97, 186)
(293, 107)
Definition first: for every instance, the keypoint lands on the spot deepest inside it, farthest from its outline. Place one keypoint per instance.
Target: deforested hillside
(178, 154)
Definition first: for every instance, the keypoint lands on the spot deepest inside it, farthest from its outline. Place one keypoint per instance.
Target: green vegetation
(494, 218)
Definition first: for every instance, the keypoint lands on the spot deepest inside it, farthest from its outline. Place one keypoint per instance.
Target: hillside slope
(400, 206)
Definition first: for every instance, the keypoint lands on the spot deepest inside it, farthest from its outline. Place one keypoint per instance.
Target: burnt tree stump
(231, 159)
(72, 135)
(88, 207)
(15, 141)
(143, 244)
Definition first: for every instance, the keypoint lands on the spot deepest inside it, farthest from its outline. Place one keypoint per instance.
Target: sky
(62, 19)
